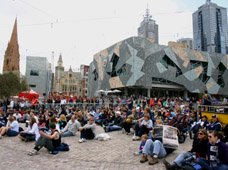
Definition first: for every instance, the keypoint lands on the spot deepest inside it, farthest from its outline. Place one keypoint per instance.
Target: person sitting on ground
(32, 132)
(199, 149)
(3, 119)
(217, 153)
(88, 130)
(62, 121)
(81, 118)
(71, 128)
(154, 149)
(143, 128)
(11, 129)
(215, 125)
(116, 125)
(142, 144)
(42, 121)
(49, 141)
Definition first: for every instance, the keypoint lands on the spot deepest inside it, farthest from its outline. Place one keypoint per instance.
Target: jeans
(154, 148)
(113, 128)
(180, 159)
(206, 164)
(67, 134)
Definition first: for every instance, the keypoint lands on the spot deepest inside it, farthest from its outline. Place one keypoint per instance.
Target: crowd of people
(49, 121)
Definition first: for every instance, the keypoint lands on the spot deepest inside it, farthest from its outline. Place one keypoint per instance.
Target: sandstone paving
(113, 154)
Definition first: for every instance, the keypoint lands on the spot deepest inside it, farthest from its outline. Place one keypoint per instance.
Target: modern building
(186, 41)
(138, 66)
(148, 28)
(84, 69)
(38, 74)
(12, 57)
(210, 30)
(67, 82)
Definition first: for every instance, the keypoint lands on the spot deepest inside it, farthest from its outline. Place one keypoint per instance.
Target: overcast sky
(80, 28)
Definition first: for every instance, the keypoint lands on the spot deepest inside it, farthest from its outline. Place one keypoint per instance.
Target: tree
(10, 85)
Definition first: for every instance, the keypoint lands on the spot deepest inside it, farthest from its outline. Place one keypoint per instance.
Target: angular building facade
(12, 57)
(136, 64)
(210, 29)
(148, 28)
(38, 74)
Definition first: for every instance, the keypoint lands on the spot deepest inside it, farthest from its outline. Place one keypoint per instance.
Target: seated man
(11, 128)
(49, 141)
(88, 130)
(215, 125)
(116, 125)
(71, 128)
(154, 149)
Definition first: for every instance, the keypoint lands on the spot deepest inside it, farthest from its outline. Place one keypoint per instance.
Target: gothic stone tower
(12, 56)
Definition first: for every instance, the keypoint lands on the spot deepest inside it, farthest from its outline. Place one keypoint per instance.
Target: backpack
(62, 147)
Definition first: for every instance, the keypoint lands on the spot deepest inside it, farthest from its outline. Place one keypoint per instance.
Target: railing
(213, 109)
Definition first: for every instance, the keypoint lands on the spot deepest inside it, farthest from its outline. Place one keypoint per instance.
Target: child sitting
(143, 141)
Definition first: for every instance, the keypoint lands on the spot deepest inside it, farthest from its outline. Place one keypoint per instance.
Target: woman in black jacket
(199, 149)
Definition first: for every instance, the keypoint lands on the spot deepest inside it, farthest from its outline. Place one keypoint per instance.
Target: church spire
(13, 38)
(60, 61)
(12, 56)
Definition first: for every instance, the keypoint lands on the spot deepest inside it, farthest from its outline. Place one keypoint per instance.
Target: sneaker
(143, 159)
(153, 161)
(33, 152)
(82, 140)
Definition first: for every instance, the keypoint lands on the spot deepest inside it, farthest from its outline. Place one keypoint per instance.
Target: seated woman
(88, 130)
(11, 128)
(32, 132)
(49, 141)
(62, 121)
(42, 121)
(199, 149)
(217, 153)
(143, 128)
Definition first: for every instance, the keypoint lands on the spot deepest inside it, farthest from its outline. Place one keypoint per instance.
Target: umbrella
(108, 91)
(31, 95)
(101, 91)
(116, 91)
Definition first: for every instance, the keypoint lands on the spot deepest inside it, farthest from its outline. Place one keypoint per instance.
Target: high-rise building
(39, 74)
(186, 41)
(12, 56)
(148, 28)
(210, 30)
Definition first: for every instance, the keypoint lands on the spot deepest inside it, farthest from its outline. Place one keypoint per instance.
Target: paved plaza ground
(113, 154)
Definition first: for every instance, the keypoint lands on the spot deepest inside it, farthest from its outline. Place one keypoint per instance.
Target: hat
(137, 108)
(91, 114)
(214, 116)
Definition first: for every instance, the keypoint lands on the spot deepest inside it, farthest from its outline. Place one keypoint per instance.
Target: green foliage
(10, 85)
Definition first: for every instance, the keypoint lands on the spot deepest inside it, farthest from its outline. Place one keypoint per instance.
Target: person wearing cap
(88, 131)
(71, 128)
(215, 124)
(49, 141)
(116, 124)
